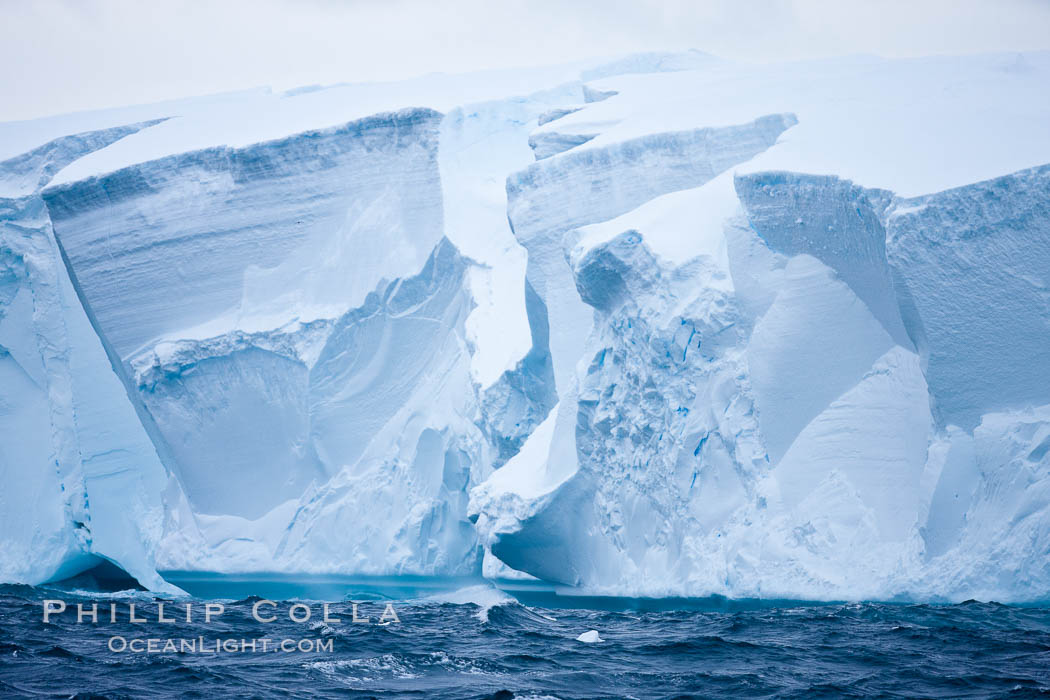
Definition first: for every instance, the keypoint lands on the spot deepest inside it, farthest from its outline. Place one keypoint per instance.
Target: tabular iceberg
(666, 325)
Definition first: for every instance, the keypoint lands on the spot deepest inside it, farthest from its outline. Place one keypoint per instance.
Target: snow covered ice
(665, 325)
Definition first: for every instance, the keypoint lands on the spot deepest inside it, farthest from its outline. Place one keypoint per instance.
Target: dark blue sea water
(446, 650)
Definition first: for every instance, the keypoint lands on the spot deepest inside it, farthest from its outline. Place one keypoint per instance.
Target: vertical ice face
(243, 410)
(981, 247)
(82, 479)
(391, 411)
(296, 312)
(550, 199)
(830, 353)
(846, 482)
(973, 268)
(704, 419)
(546, 204)
(841, 401)
(655, 413)
(987, 531)
(168, 245)
(834, 221)
(38, 540)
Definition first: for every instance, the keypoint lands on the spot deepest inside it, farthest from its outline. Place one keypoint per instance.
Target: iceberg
(665, 325)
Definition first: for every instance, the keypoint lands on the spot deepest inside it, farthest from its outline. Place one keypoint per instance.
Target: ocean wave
(479, 642)
(483, 596)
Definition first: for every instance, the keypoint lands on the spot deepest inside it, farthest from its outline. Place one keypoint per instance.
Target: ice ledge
(271, 158)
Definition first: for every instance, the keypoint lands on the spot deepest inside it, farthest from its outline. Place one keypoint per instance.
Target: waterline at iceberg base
(668, 327)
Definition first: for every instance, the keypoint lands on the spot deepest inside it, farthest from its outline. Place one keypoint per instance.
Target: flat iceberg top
(913, 126)
(22, 136)
(253, 116)
(262, 115)
(248, 116)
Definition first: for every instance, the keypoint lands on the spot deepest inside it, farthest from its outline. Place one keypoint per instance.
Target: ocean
(480, 643)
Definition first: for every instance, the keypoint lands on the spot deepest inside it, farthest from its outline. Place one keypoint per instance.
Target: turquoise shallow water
(446, 650)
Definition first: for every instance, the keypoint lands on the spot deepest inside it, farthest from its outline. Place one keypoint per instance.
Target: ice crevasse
(660, 326)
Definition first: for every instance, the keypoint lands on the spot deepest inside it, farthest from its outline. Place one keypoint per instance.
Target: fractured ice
(667, 325)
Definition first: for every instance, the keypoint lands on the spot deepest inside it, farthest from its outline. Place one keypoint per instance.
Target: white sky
(68, 55)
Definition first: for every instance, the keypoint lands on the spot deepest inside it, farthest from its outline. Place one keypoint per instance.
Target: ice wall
(777, 436)
(979, 248)
(665, 325)
(820, 455)
(548, 200)
(82, 480)
(204, 221)
(250, 358)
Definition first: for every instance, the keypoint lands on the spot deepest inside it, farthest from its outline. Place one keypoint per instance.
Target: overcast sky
(68, 55)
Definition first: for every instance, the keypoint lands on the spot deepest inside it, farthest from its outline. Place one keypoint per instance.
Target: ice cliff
(666, 325)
